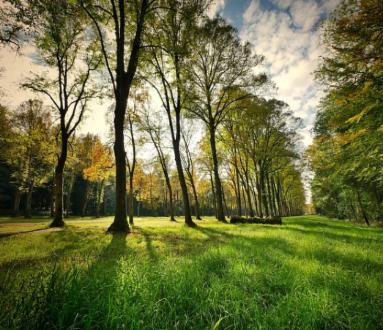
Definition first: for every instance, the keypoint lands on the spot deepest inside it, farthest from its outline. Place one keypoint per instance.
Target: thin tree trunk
(213, 193)
(217, 181)
(184, 189)
(364, 214)
(16, 205)
(99, 197)
(85, 200)
(28, 205)
(131, 200)
(197, 211)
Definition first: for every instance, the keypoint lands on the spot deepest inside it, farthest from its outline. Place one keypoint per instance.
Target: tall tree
(221, 65)
(152, 125)
(126, 21)
(61, 42)
(189, 166)
(170, 39)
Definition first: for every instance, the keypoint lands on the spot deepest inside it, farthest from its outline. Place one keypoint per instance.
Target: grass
(309, 273)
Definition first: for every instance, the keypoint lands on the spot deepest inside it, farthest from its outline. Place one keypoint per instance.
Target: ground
(309, 273)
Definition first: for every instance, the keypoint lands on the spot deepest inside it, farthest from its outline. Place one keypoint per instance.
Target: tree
(188, 163)
(100, 170)
(29, 155)
(348, 182)
(170, 38)
(60, 38)
(126, 20)
(139, 99)
(220, 66)
(152, 126)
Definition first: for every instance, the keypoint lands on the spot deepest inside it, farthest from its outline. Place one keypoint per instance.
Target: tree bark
(181, 178)
(99, 197)
(124, 81)
(16, 205)
(58, 220)
(120, 223)
(28, 205)
(218, 185)
(131, 200)
(197, 212)
(85, 200)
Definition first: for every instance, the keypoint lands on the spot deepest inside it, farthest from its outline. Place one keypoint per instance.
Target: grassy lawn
(309, 273)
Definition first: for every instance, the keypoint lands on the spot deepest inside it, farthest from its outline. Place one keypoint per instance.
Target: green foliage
(347, 152)
(29, 151)
(310, 273)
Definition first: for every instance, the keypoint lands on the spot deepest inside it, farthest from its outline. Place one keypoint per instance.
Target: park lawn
(309, 273)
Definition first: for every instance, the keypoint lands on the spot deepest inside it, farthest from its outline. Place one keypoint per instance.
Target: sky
(285, 32)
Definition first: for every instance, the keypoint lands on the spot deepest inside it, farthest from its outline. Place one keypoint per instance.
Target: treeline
(346, 155)
(200, 71)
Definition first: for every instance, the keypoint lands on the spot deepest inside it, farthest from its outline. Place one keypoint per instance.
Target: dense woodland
(346, 155)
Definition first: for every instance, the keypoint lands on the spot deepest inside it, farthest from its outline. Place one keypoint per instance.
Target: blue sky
(287, 33)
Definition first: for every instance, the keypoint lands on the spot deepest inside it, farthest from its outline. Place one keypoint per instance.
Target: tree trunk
(85, 200)
(131, 200)
(238, 195)
(16, 205)
(99, 197)
(120, 223)
(58, 220)
(184, 189)
(364, 214)
(171, 202)
(218, 185)
(28, 205)
(124, 81)
(197, 212)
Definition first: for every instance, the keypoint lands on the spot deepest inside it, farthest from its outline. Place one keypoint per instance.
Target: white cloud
(215, 8)
(287, 37)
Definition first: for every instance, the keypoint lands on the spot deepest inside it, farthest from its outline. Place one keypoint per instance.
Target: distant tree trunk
(68, 195)
(58, 220)
(131, 201)
(197, 211)
(100, 190)
(238, 194)
(28, 205)
(85, 199)
(171, 201)
(16, 204)
(259, 195)
(270, 199)
(217, 181)
(364, 214)
(213, 193)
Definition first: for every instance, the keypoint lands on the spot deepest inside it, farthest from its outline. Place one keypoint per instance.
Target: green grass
(309, 273)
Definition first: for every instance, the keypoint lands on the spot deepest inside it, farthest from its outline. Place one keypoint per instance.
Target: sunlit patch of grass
(309, 273)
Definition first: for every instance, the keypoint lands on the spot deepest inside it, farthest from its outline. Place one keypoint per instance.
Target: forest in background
(219, 144)
(245, 160)
(347, 151)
